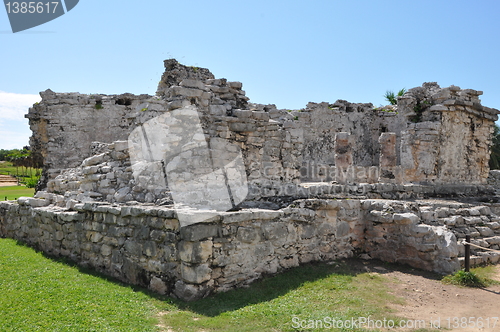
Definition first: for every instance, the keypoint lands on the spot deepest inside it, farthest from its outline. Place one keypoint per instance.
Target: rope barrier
(475, 245)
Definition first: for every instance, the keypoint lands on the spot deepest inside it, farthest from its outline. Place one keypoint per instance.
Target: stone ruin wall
(442, 135)
(145, 245)
(300, 165)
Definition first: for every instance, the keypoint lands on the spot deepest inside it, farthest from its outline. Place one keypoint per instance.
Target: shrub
(468, 279)
(32, 182)
(392, 98)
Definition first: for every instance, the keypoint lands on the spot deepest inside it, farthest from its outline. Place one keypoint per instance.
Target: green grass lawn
(14, 192)
(42, 294)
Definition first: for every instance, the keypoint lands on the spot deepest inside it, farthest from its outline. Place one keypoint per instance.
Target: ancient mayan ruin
(197, 190)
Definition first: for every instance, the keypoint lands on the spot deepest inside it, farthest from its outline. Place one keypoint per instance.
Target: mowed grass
(14, 192)
(304, 298)
(42, 294)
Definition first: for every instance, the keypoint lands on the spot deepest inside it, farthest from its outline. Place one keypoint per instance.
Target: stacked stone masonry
(145, 245)
(402, 183)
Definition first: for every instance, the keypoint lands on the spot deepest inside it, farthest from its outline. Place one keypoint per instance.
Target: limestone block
(190, 83)
(380, 216)
(187, 92)
(406, 218)
(343, 229)
(387, 143)
(195, 274)
(149, 248)
(94, 160)
(158, 286)
(242, 127)
(106, 250)
(485, 231)
(428, 216)
(421, 230)
(189, 292)
(133, 248)
(493, 225)
(483, 210)
(472, 220)
(343, 150)
(235, 85)
(122, 195)
(217, 110)
(276, 232)
(195, 252)
(493, 240)
(34, 202)
(289, 262)
(443, 212)
(247, 234)
(198, 232)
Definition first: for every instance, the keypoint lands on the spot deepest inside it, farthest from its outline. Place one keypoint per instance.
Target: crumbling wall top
(175, 73)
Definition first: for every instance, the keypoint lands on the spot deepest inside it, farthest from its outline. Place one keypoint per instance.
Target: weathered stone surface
(405, 218)
(199, 232)
(195, 252)
(195, 274)
(158, 286)
(434, 143)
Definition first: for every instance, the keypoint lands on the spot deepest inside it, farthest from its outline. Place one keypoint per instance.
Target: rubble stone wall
(64, 126)
(144, 244)
(481, 222)
(441, 135)
(336, 179)
(448, 136)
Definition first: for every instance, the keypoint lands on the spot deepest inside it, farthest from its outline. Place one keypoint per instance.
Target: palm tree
(393, 98)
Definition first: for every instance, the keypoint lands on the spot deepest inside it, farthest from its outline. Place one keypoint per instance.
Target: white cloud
(14, 128)
(13, 106)
(14, 134)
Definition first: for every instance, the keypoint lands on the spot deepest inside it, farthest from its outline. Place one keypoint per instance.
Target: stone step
(7, 178)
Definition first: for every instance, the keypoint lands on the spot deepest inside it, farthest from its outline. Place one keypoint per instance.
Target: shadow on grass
(93, 272)
(263, 290)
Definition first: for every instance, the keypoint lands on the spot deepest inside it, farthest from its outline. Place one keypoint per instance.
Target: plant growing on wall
(392, 98)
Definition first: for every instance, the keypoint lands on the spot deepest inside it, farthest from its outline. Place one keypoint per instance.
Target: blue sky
(285, 52)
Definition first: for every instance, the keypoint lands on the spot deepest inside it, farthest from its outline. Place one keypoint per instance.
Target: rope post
(467, 253)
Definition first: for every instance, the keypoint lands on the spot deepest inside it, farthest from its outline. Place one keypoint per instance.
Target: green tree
(3, 154)
(495, 149)
(20, 158)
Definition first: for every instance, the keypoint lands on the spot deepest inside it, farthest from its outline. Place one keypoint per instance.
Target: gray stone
(195, 252)
(158, 286)
(133, 248)
(195, 274)
(405, 218)
(247, 234)
(485, 231)
(188, 292)
(493, 240)
(198, 232)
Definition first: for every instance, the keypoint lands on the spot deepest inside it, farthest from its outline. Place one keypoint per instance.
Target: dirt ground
(448, 307)
(8, 184)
